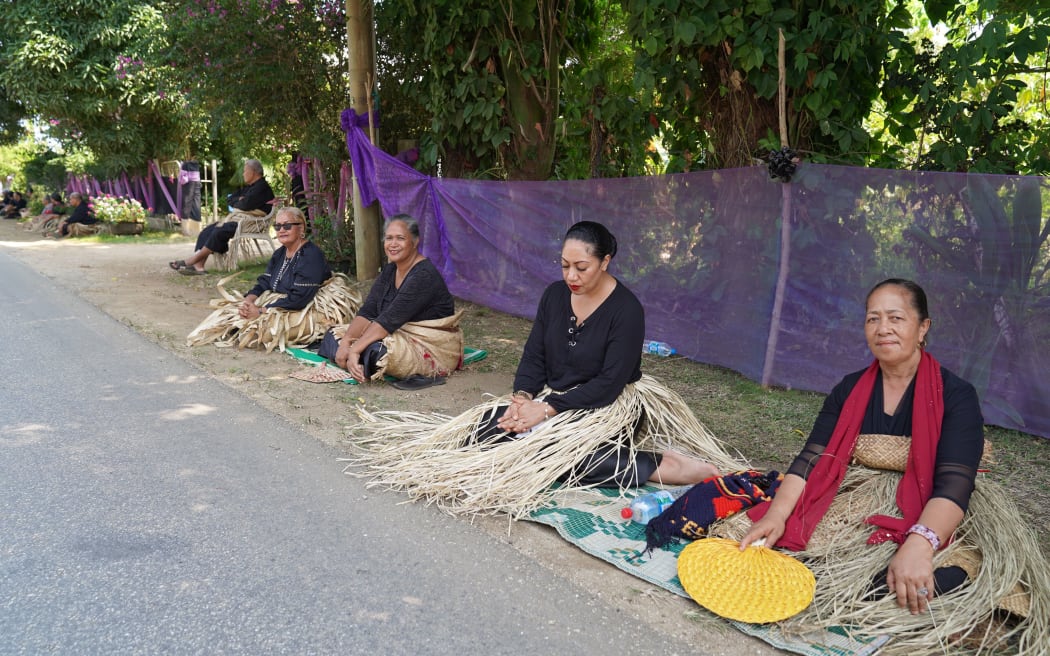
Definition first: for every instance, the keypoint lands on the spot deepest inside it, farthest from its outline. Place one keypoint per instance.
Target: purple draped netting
(704, 251)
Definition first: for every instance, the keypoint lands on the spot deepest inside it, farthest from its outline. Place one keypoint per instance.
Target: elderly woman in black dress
(280, 310)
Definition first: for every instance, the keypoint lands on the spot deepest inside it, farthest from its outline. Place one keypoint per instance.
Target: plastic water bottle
(663, 349)
(646, 506)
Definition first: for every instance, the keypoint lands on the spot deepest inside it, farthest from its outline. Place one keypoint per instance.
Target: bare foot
(678, 469)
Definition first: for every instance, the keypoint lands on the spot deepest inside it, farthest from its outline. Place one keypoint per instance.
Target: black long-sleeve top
(82, 214)
(958, 450)
(423, 296)
(302, 276)
(588, 365)
(255, 196)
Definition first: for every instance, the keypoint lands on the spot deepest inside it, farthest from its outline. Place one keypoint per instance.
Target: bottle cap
(626, 513)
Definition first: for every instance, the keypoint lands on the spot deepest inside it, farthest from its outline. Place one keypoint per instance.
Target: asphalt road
(147, 509)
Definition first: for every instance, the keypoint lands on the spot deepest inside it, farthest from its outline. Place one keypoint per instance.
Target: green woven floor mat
(472, 355)
(591, 521)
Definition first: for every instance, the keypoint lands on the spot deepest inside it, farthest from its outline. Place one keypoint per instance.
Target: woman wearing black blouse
(586, 347)
(885, 506)
(281, 310)
(409, 297)
(583, 414)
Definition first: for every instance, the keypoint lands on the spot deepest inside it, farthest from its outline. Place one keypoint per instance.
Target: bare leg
(678, 469)
(198, 259)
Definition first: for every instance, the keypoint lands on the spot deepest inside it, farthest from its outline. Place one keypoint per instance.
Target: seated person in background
(408, 326)
(884, 504)
(280, 310)
(253, 198)
(13, 208)
(81, 214)
(583, 414)
(53, 208)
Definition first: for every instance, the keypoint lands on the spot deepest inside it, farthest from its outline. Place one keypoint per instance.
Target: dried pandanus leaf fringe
(336, 302)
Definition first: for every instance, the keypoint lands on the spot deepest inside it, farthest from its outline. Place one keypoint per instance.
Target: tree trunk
(368, 229)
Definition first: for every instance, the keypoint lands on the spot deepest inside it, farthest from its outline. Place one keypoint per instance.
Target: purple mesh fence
(703, 252)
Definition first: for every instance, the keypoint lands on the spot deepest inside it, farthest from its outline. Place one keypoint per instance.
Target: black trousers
(216, 237)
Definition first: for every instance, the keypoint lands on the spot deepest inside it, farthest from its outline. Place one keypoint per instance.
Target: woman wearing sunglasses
(281, 309)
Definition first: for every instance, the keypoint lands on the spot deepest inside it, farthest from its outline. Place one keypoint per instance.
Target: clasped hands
(523, 414)
(248, 309)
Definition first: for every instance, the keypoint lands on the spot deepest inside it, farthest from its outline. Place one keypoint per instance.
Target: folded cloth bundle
(708, 501)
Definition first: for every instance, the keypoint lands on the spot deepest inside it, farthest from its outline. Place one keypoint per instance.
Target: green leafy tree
(709, 71)
(268, 74)
(83, 65)
(493, 87)
(603, 130)
(975, 99)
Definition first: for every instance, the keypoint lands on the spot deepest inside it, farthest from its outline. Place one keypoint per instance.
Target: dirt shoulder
(132, 283)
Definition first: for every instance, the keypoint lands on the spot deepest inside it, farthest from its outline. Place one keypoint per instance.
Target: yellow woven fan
(756, 585)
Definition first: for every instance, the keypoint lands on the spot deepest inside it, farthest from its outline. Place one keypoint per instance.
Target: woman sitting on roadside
(583, 414)
(13, 208)
(53, 210)
(884, 505)
(292, 303)
(408, 327)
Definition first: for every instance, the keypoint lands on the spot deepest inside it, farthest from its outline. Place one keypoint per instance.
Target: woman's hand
(524, 414)
(910, 574)
(249, 310)
(353, 364)
(770, 528)
(342, 354)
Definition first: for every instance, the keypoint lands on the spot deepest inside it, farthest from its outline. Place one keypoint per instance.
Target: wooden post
(360, 28)
(785, 226)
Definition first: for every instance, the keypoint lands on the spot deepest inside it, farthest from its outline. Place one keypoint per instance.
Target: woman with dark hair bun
(582, 414)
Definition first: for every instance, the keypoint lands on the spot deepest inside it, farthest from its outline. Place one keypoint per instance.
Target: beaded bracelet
(926, 532)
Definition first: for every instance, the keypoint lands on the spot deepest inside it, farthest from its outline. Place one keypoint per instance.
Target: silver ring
(923, 592)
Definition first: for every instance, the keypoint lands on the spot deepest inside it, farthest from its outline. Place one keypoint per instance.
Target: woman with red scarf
(905, 392)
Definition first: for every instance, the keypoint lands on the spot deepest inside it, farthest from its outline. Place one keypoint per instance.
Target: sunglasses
(285, 226)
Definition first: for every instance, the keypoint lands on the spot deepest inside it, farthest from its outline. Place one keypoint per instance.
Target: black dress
(588, 365)
(299, 276)
(217, 236)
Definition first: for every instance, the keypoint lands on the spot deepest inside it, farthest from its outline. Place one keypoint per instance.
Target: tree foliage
(84, 67)
(976, 101)
(526, 90)
(603, 130)
(493, 87)
(268, 74)
(710, 70)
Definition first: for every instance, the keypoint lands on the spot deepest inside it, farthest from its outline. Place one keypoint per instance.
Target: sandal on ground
(177, 264)
(417, 382)
(190, 271)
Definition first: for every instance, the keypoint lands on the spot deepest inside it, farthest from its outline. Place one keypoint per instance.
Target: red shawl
(915, 486)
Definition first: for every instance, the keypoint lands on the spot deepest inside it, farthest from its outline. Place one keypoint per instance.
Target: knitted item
(716, 498)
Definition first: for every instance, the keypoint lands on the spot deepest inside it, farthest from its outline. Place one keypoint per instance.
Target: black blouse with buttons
(589, 363)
